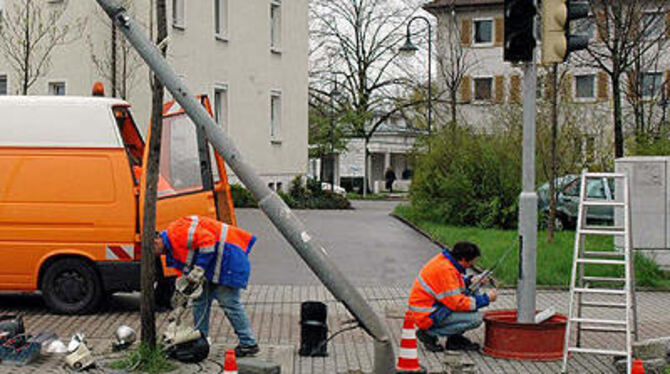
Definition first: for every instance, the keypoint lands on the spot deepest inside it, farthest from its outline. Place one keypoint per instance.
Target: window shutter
(466, 90)
(630, 85)
(601, 25)
(603, 87)
(515, 89)
(499, 93)
(466, 32)
(500, 31)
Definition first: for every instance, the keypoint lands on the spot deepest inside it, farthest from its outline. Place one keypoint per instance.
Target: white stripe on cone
(408, 334)
(229, 372)
(408, 353)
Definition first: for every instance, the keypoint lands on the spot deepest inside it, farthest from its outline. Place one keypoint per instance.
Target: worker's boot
(429, 341)
(246, 350)
(460, 343)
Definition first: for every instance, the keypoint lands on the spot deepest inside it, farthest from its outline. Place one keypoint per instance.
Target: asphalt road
(368, 245)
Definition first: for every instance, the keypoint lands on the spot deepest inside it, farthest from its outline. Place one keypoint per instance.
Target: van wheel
(71, 286)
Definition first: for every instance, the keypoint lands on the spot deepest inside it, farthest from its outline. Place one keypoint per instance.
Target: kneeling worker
(221, 252)
(439, 301)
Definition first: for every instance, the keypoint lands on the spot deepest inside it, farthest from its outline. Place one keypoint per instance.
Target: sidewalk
(275, 314)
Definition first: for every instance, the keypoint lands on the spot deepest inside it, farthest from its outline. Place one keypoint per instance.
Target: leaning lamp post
(409, 49)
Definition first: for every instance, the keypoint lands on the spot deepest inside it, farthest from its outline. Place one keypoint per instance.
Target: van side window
(131, 136)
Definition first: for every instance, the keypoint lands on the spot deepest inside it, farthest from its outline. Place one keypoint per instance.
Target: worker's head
(465, 253)
(159, 245)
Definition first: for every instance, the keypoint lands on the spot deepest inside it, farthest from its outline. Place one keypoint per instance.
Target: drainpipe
(313, 253)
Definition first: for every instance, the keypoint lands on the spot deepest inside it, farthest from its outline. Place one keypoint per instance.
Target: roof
(59, 121)
(438, 4)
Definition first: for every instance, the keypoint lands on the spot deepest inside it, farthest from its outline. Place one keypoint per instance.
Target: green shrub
(311, 196)
(242, 198)
(469, 179)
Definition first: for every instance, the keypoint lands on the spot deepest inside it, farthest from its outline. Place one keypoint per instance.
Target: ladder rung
(603, 279)
(603, 253)
(603, 203)
(601, 304)
(608, 352)
(599, 321)
(605, 175)
(602, 329)
(602, 232)
(603, 227)
(600, 262)
(600, 291)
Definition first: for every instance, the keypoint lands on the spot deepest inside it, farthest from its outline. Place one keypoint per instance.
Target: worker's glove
(480, 279)
(190, 285)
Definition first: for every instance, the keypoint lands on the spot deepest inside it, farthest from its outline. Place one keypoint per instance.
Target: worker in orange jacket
(220, 253)
(440, 303)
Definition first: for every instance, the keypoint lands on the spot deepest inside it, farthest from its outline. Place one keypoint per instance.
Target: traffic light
(520, 30)
(557, 41)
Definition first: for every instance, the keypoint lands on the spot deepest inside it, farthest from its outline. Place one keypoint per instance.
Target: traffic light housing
(557, 40)
(520, 30)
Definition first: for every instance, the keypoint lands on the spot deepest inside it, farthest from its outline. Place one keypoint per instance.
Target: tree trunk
(618, 121)
(552, 165)
(365, 168)
(27, 50)
(453, 109)
(113, 82)
(147, 307)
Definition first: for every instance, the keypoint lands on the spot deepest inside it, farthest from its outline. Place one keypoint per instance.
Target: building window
(585, 86)
(221, 106)
(275, 115)
(483, 89)
(57, 88)
(178, 12)
(652, 83)
(221, 18)
(275, 25)
(653, 25)
(3, 84)
(483, 31)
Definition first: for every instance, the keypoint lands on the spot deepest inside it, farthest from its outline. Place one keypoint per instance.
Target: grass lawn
(554, 260)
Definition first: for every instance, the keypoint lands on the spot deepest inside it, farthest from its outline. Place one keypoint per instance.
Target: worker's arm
(453, 296)
(206, 245)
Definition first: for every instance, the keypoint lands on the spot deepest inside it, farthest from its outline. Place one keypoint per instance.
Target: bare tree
(363, 37)
(626, 33)
(30, 31)
(115, 59)
(455, 64)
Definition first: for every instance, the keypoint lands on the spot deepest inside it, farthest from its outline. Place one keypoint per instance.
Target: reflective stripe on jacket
(220, 249)
(441, 281)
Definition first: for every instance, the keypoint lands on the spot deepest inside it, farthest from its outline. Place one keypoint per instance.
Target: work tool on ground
(125, 337)
(182, 341)
(79, 357)
(592, 297)
(477, 284)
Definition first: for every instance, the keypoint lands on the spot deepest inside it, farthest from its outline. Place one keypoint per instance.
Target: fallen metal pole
(274, 207)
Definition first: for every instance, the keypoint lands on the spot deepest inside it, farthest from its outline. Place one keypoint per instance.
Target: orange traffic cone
(230, 363)
(638, 367)
(408, 359)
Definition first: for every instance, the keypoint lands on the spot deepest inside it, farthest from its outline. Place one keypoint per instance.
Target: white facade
(491, 83)
(249, 57)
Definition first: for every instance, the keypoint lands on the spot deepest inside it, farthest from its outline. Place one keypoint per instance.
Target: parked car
(567, 203)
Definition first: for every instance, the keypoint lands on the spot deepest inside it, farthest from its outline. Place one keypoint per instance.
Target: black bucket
(313, 329)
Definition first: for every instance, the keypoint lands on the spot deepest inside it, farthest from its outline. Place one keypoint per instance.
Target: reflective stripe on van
(120, 252)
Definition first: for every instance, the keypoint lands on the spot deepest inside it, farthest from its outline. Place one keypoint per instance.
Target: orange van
(70, 171)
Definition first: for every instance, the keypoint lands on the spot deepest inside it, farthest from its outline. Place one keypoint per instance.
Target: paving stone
(253, 365)
(395, 311)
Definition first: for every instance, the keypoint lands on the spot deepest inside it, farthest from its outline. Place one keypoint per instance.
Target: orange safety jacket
(220, 249)
(441, 281)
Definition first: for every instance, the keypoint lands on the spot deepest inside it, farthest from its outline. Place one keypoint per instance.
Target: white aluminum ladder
(580, 284)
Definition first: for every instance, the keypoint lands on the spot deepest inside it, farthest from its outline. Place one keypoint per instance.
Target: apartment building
(489, 84)
(249, 57)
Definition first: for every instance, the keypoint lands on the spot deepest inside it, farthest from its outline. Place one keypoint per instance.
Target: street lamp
(333, 93)
(409, 48)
